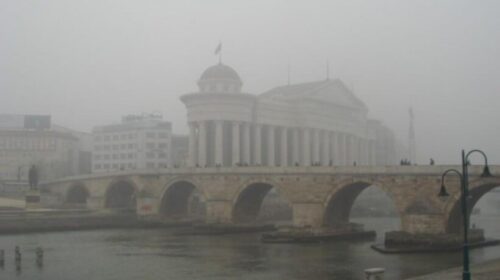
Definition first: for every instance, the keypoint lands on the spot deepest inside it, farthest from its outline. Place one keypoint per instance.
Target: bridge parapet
(399, 170)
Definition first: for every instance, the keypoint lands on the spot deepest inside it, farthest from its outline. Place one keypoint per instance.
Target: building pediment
(329, 91)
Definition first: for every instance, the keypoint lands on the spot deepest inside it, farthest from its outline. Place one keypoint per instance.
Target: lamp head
(486, 172)
(443, 194)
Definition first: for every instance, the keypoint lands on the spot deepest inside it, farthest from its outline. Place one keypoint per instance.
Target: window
(150, 146)
(150, 135)
(162, 146)
(116, 147)
(163, 135)
(150, 165)
(130, 156)
(115, 137)
(106, 156)
(97, 157)
(162, 155)
(150, 155)
(115, 156)
(123, 146)
(130, 146)
(106, 166)
(97, 166)
(115, 166)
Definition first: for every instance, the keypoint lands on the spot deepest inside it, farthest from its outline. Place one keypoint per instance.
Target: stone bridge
(319, 196)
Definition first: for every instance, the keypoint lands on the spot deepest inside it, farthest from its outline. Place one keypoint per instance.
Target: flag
(218, 49)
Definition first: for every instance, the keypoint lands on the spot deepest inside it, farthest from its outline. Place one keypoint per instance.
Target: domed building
(316, 123)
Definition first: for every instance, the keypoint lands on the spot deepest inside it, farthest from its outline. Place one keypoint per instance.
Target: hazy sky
(89, 62)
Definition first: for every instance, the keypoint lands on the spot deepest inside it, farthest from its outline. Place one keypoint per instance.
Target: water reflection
(161, 254)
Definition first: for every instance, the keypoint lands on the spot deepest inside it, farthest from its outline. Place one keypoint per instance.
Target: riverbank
(45, 220)
(489, 270)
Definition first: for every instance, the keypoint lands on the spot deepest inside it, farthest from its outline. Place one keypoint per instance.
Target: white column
(364, 152)
(315, 142)
(192, 146)
(344, 148)
(202, 144)
(306, 147)
(325, 154)
(236, 143)
(334, 154)
(354, 150)
(373, 152)
(284, 147)
(351, 150)
(295, 146)
(246, 143)
(257, 157)
(270, 146)
(218, 143)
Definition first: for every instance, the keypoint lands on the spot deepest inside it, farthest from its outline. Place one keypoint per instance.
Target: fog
(87, 63)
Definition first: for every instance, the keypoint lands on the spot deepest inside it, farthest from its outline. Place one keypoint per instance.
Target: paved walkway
(489, 270)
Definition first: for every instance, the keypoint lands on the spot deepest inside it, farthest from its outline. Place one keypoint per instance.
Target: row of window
(123, 136)
(114, 156)
(15, 143)
(130, 146)
(114, 166)
(129, 156)
(122, 166)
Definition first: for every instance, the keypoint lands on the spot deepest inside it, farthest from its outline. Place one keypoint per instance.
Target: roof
(220, 71)
(330, 91)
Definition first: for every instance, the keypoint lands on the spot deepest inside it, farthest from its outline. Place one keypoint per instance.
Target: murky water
(159, 254)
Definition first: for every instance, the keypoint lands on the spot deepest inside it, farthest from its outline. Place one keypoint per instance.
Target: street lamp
(464, 178)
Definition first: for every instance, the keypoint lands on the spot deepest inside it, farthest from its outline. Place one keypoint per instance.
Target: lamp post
(464, 181)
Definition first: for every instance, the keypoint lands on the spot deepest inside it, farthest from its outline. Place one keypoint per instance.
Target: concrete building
(317, 123)
(180, 150)
(30, 139)
(138, 142)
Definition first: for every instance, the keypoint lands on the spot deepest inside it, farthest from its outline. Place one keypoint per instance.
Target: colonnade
(227, 143)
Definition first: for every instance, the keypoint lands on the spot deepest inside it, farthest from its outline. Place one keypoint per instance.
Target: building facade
(180, 150)
(317, 123)
(28, 139)
(138, 142)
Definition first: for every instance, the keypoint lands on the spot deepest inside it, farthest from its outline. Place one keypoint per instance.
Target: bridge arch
(121, 194)
(77, 195)
(248, 201)
(182, 198)
(454, 221)
(340, 201)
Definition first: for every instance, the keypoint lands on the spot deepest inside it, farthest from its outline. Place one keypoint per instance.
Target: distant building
(32, 139)
(180, 150)
(138, 142)
(316, 123)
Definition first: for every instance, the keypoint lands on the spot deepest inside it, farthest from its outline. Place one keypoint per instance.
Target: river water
(160, 254)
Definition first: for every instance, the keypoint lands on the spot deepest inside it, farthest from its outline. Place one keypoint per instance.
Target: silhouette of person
(33, 177)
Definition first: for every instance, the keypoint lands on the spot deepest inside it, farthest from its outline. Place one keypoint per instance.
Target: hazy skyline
(87, 63)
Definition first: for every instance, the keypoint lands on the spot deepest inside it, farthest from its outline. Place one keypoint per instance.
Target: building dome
(220, 78)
